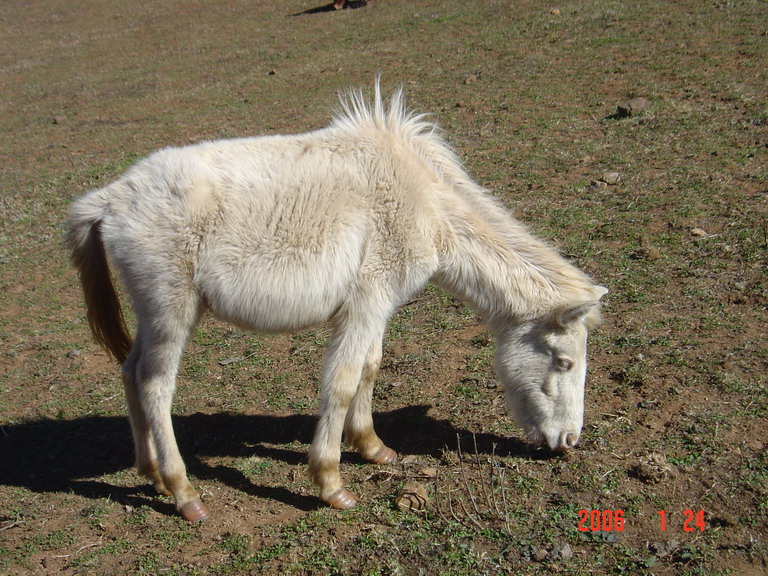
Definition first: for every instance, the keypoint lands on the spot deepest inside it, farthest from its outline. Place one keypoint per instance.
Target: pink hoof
(342, 500)
(194, 511)
(384, 456)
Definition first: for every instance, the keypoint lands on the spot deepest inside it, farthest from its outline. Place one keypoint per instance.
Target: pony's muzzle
(569, 440)
(560, 442)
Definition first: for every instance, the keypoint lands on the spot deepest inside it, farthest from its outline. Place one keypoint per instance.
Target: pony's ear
(588, 310)
(599, 291)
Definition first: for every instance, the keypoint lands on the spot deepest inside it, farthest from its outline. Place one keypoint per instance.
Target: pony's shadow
(66, 455)
(351, 4)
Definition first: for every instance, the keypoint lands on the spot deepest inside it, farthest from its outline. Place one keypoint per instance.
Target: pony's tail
(105, 316)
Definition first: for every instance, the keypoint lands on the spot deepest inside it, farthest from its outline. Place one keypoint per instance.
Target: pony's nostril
(570, 439)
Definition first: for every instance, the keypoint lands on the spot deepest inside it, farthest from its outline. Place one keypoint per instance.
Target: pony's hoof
(194, 511)
(384, 456)
(342, 500)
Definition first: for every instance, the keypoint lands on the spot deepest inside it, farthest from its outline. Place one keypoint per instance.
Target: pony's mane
(355, 111)
(415, 130)
(424, 138)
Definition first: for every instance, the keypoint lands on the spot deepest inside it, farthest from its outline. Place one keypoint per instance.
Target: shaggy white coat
(342, 224)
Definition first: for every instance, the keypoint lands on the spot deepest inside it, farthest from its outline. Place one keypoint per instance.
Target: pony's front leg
(358, 428)
(344, 366)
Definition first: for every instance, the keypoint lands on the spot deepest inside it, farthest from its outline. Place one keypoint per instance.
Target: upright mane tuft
(355, 111)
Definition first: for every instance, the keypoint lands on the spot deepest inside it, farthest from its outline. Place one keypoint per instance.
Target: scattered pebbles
(607, 179)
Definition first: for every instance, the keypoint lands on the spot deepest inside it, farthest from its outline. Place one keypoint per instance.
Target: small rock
(649, 253)
(611, 178)
(59, 119)
(632, 107)
(407, 460)
(652, 253)
(648, 404)
(412, 498)
(540, 554)
(565, 552)
(73, 353)
(428, 472)
(598, 185)
(664, 549)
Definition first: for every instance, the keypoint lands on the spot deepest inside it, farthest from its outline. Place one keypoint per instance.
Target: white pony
(342, 224)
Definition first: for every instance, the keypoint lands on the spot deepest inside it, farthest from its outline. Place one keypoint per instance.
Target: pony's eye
(563, 364)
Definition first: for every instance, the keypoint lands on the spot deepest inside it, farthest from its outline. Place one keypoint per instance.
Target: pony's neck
(490, 261)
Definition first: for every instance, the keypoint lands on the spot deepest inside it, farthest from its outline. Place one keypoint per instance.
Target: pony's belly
(276, 295)
(262, 309)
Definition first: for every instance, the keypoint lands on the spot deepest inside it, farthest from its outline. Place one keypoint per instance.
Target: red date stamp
(614, 520)
(692, 520)
(601, 520)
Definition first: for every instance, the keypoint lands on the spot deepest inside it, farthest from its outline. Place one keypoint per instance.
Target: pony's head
(542, 366)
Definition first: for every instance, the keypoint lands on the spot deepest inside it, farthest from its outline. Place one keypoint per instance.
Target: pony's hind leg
(156, 370)
(149, 376)
(358, 427)
(146, 456)
(144, 446)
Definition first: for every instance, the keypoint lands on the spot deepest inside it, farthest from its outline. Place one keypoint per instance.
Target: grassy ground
(527, 93)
